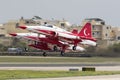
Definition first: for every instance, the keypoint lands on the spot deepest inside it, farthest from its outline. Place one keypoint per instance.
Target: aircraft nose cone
(13, 34)
(22, 27)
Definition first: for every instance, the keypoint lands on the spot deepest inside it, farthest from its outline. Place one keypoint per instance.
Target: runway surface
(58, 66)
(55, 64)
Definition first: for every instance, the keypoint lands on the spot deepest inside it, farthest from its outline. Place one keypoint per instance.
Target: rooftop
(96, 19)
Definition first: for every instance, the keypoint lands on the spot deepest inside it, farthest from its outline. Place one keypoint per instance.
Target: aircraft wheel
(44, 54)
(74, 47)
(62, 53)
(55, 48)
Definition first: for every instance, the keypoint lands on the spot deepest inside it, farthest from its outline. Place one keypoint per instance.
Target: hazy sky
(72, 10)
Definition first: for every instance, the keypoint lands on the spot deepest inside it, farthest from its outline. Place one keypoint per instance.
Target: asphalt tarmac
(59, 66)
(56, 64)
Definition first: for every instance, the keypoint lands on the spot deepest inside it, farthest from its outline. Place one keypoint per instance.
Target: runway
(55, 64)
(59, 66)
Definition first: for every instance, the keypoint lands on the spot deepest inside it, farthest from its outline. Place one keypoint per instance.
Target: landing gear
(44, 54)
(55, 48)
(35, 42)
(74, 47)
(62, 53)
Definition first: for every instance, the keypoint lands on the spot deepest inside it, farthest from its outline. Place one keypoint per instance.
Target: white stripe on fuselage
(29, 34)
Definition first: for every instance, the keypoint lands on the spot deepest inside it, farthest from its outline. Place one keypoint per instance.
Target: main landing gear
(62, 53)
(74, 47)
(44, 54)
(55, 48)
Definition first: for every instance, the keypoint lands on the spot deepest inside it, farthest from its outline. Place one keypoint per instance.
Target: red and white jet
(58, 37)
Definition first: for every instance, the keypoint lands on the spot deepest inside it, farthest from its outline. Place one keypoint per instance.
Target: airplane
(42, 42)
(83, 37)
(55, 34)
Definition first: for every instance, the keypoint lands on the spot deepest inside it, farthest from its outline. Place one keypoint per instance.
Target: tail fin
(86, 31)
(75, 31)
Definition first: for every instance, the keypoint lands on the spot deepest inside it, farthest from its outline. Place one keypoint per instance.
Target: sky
(73, 11)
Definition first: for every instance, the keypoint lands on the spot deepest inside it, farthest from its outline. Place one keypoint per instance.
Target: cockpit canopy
(50, 26)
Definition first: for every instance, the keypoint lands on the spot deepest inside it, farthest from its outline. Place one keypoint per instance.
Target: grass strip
(24, 74)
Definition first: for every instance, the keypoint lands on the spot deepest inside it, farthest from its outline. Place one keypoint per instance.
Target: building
(12, 27)
(116, 33)
(4, 40)
(36, 20)
(2, 31)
